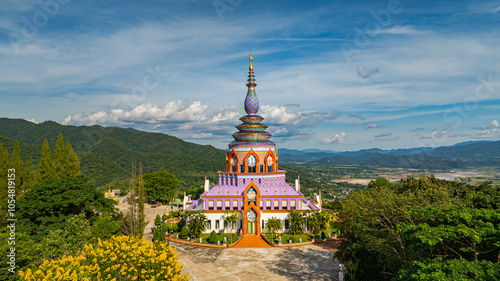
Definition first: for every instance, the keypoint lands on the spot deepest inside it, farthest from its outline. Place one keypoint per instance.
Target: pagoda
(252, 186)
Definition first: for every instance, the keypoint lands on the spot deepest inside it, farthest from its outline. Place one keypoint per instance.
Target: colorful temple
(252, 185)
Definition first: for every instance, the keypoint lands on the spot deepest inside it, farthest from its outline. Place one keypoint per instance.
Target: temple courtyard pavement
(307, 262)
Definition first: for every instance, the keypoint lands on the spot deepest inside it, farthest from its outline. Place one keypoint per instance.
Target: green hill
(106, 153)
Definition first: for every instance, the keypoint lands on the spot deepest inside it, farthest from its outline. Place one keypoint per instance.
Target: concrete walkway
(252, 241)
(308, 262)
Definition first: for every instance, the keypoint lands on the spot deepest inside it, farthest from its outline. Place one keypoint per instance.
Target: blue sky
(336, 75)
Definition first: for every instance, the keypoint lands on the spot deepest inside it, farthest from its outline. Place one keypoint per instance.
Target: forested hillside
(106, 153)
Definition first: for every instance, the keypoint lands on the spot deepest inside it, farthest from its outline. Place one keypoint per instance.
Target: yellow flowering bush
(119, 258)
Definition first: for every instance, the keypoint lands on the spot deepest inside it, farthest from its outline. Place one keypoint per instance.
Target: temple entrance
(251, 222)
(252, 227)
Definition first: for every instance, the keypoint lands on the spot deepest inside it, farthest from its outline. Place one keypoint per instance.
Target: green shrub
(164, 227)
(173, 227)
(181, 224)
(174, 214)
(294, 239)
(158, 220)
(156, 235)
(184, 233)
(323, 235)
(213, 237)
(164, 217)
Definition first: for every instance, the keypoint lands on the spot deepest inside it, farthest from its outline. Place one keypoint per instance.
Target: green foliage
(48, 206)
(312, 220)
(27, 254)
(450, 270)
(105, 153)
(174, 214)
(184, 233)
(158, 220)
(172, 227)
(69, 240)
(105, 227)
(164, 217)
(45, 170)
(160, 185)
(66, 163)
(164, 227)
(389, 226)
(213, 237)
(4, 166)
(18, 165)
(296, 222)
(273, 225)
(197, 223)
(156, 234)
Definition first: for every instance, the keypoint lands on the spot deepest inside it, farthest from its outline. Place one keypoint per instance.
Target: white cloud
(404, 30)
(487, 131)
(174, 111)
(371, 126)
(337, 139)
(436, 134)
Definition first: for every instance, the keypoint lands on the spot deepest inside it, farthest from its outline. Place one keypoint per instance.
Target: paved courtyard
(309, 262)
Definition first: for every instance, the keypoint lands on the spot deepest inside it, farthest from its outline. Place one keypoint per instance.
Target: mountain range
(461, 155)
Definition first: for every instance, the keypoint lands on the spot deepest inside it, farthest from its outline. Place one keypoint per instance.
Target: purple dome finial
(251, 100)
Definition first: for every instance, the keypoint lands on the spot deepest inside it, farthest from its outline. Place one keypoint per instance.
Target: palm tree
(297, 222)
(312, 221)
(197, 223)
(273, 224)
(230, 219)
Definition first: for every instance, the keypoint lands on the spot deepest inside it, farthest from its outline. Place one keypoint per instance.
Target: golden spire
(250, 59)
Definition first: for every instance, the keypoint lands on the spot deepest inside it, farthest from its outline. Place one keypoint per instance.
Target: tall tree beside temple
(18, 165)
(45, 170)
(133, 223)
(66, 161)
(4, 166)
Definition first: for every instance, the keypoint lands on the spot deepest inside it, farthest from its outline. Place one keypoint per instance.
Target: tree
(184, 233)
(29, 174)
(66, 163)
(312, 221)
(4, 166)
(213, 237)
(296, 222)
(49, 205)
(197, 223)
(133, 222)
(160, 185)
(450, 270)
(105, 227)
(45, 170)
(69, 240)
(274, 224)
(157, 220)
(28, 254)
(18, 165)
(231, 219)
(388, 227)
(164, 217)
(130, 257)
(325, 219)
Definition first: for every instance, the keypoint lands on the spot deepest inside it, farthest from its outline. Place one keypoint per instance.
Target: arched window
(233, 164)
(269, 164)
(252, 164)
